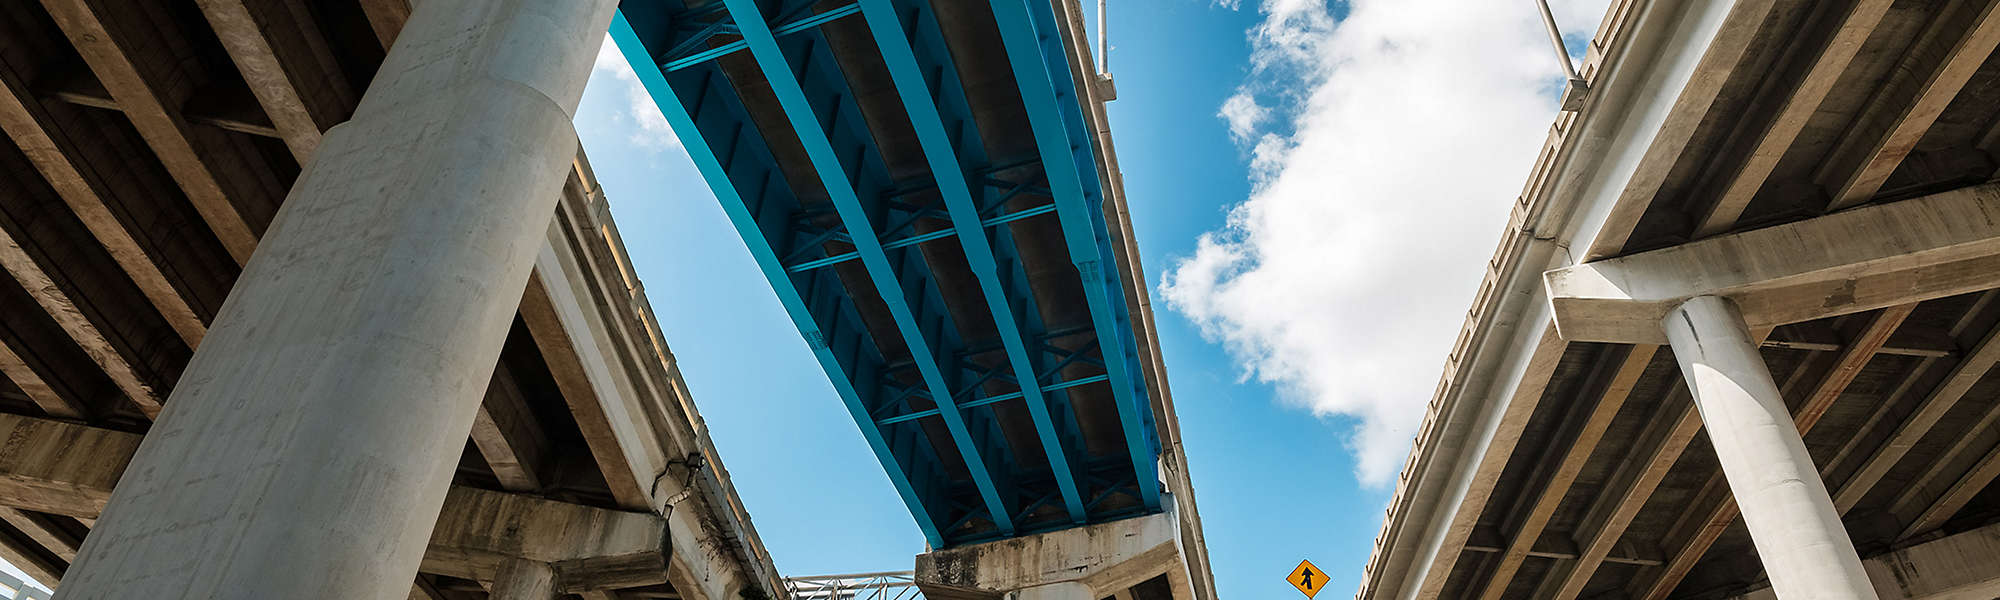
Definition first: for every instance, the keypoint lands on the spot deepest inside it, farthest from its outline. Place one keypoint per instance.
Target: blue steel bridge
(921, 186)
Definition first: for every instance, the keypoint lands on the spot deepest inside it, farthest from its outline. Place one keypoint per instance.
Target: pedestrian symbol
(1307, 578)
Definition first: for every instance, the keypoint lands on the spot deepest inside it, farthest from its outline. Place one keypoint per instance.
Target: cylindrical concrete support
(307, 450)
(1798, 534)
(524, 580)
(1068, 590)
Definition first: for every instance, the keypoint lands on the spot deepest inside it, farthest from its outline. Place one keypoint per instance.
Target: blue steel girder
(1055, 114)
(927, 101)
(743, 175)
(841, 151)
(795, 239)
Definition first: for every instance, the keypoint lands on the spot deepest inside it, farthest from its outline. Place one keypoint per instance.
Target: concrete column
(1798, 534)
(524, 580)
(1068, 590)
(306, 452)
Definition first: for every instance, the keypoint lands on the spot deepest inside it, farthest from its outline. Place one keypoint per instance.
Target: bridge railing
(889, 585)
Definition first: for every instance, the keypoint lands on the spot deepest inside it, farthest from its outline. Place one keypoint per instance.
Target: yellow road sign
(1308, 578)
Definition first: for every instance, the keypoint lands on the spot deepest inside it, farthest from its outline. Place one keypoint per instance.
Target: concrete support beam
(124, 213)
(313, 437)
(1085, 562)
(60, 468)
(1863, 259)
(1798, 533)
(524, 580)
(46, 532)
(68, 469)
(1068, 590)
(1783, 128)
(1585, 427)
(1938, 64)
(508, 436)
(1958, 567)
(484, 533)
(1919, 422)
(137, 54)
(287, 64)
(1951, 481)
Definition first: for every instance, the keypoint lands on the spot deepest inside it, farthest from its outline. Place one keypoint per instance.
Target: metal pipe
(1103, 43)
(1548, 20)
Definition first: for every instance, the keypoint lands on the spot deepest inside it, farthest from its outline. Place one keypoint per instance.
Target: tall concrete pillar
(307, 450)
(524, 580)
(1798, 533)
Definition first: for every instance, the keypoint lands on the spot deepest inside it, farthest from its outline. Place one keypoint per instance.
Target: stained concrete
(307, 450)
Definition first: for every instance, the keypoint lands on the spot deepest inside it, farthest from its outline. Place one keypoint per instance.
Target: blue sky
(1272, 152)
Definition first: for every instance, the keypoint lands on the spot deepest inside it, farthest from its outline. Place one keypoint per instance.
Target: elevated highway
(1739, 336)
(150, 150)
(932, 191)
(320, 298)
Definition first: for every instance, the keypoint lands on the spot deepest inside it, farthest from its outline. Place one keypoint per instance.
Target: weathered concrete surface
(587, 548)
(68, 469)
(1068, 590)
(1104, 559)
(1864, 259)
(1798, 534)
(1965, 566)
(524, 580)
(310, 443)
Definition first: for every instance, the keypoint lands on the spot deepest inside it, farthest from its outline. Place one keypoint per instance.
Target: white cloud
(651, 130)
(1243, 114)
(1384, 167)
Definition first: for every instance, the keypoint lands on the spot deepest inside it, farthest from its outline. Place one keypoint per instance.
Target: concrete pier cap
(1094, 561)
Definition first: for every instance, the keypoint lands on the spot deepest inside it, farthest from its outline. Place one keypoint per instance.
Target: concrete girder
(1957, 567)
(1104, 559)
(1864, 259)
(233, 190)
(68, 469)
(288, 66)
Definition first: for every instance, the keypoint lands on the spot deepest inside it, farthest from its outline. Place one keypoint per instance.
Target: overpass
(320, 299)
(1738, 339)
(932, 191)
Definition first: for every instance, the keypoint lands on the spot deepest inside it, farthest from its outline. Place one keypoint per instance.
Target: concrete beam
(1966, 467)
(288, 66)
(1863, 259)
(1799, 107)
(508, 436)
(45, 392)
(56, 261)
(1672, 427)
(60, 468)
(1103, 558)
(128, 51)
(123, 212)
(1917, 423)
(482, 532)
(69, 469)
(1929, 76)
(1584, 428)
(1958, 567)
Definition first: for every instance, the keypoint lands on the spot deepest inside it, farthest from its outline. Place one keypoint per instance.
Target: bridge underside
(149, 145)
(920, 184)
(1575, 464)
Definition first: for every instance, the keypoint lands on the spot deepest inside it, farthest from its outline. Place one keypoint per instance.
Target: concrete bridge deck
(1824, 167)
(150, 146)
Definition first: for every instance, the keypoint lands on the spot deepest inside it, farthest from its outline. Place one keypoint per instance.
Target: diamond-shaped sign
(1308, 578)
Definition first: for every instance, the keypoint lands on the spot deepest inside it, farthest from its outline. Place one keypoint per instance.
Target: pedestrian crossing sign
(1308, 578)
